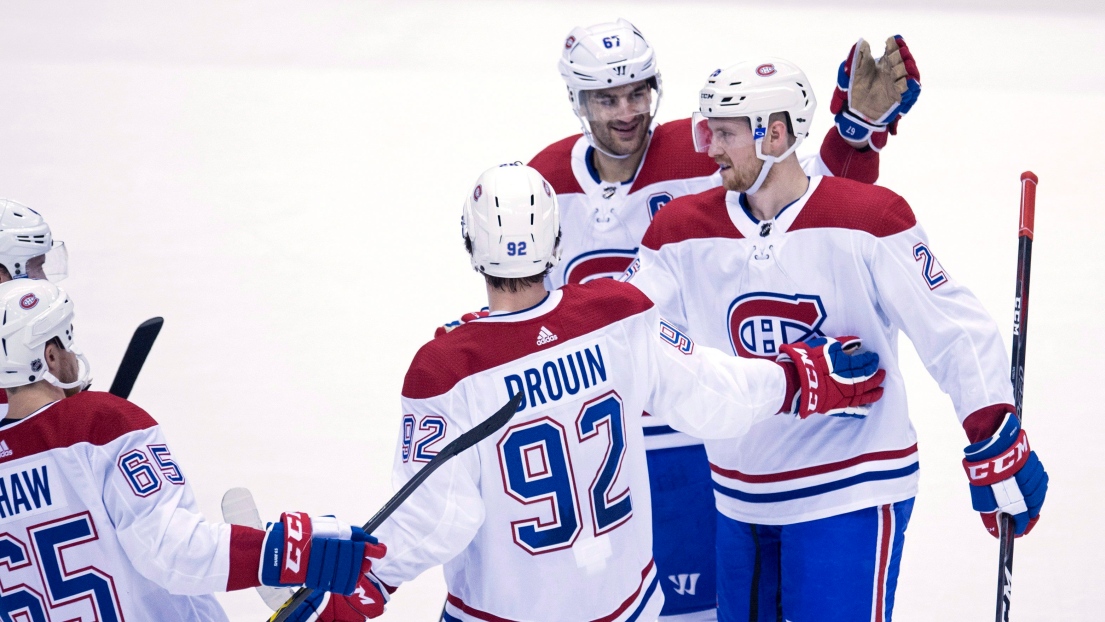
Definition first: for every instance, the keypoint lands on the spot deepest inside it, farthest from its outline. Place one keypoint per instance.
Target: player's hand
(321, 553)
(464, 319)
(1006, 478)
(833, 381)
(366, 602)
(872, 94)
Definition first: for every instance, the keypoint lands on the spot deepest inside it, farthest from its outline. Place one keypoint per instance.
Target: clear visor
(618, 103)
(52, 266)
(727, 132)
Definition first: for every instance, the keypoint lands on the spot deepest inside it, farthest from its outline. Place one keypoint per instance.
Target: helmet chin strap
(83, 374)
(594, 143)
(768, 161)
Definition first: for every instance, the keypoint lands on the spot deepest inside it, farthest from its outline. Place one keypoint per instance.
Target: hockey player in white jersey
(27, 250)
(549, 519)
(99, 522)
(812, 517)
(614, 178)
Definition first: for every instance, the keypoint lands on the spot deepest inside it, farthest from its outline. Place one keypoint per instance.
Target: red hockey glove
(834, 382)
(464, 319)
(871, 95)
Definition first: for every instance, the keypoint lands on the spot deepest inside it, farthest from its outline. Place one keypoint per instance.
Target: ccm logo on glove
(993, 470)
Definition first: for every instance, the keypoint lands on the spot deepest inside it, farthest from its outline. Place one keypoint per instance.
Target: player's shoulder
(846, 204)
(672, 156)
(555, 164)
(486, 343)
(694, 216)
(89, 417)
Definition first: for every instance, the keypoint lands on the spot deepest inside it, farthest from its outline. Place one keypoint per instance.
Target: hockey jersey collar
(751, 228)
(547, 304)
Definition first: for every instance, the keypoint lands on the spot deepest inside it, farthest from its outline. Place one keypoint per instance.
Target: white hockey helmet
(511, 222)
(755, 90)
(24, 235)
(605, 56)
(34, 313)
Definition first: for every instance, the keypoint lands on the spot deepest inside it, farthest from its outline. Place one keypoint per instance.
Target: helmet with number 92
(511, 223)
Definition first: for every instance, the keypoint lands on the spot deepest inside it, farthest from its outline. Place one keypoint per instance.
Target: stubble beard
(604, 137)
(741, 179)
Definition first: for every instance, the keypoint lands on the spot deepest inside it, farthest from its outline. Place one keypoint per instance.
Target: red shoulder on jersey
(555, 164)
(481, 345)
(846, 204)
(89, 417)
(671, 155)
(694, 216)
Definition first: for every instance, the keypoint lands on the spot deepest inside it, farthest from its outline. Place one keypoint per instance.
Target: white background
(283, 180)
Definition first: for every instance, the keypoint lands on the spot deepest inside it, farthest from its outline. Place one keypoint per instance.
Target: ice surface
(283, 180)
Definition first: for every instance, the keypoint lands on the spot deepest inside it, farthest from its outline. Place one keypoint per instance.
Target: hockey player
(812, 515)
(99, 520)
(549, 519)
(614, 178)
(25, 244)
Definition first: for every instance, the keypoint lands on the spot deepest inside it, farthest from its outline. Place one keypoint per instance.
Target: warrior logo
(609, 263)
(760, 322)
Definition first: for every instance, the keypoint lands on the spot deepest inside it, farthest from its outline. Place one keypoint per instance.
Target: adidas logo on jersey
(4, 451)
(545, 336)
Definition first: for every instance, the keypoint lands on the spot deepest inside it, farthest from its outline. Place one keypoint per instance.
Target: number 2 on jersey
(537, 468)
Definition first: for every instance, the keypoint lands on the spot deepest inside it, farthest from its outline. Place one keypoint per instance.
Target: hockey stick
(239, 508)
(464, 441)
(1020, 334)
(135, 356)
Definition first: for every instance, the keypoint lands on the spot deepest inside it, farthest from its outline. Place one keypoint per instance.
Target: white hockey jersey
(844, 259)
(97, 521)
(602, 223)
(549, 518)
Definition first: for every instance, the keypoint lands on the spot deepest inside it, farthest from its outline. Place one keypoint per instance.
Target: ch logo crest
(760, 322)
(608, 263)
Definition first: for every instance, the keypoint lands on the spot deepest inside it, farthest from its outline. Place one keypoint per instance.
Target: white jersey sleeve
(703, 391)
(958, 341)
(443, 515)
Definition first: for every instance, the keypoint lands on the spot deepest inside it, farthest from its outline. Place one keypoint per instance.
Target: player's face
(619, 116)
(732, 146)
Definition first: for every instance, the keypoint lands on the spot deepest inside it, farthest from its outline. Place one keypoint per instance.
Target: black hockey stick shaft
(481, 431)
(1020, 335)
(135, 356)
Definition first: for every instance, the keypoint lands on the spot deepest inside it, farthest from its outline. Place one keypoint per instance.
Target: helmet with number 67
(605, 56)
(27, 248)
(36, 313)
(511, 222)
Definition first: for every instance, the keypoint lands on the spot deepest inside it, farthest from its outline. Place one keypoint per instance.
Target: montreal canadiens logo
(717, 72)
(760, 322)
(478, 192)
(765, 70)
(545, 185)
(29, 301)
(569, 42)
(609, 263)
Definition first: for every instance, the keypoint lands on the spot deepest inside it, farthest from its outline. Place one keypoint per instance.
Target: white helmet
(511, 222)
(756, 89)
(34, 313)
(605, 56)
(25, 235)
